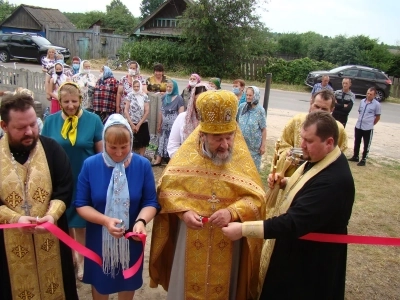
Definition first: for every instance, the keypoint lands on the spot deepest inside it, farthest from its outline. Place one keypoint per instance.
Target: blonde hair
(48, 51)
(23, 91)
(117, 134)
(69, 88)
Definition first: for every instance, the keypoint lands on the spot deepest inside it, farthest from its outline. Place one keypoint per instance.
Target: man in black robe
(35, 187)
(319, 198)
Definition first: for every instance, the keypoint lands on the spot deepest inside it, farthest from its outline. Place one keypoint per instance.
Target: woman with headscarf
(116, 194)
(172, 106)
(105, 94)
(136, 112)
(251, 119)
(79, 133)
(187, 121)
(57, 79)
(187, 91)
(125, 85)
(215, 83)
(86, 82)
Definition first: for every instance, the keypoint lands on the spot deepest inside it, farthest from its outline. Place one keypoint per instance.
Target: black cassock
(302, 269)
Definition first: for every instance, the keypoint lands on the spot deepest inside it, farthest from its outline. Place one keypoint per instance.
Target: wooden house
(163, 21)
(26, 18)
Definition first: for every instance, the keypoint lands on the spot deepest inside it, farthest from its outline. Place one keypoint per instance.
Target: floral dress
(87, 82)
(154, 87)
(127, 88)
(169, 113)
(251, 123)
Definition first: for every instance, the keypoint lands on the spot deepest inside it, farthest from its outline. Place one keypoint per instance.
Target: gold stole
(186, 184)
(295, 183)
(34, 261)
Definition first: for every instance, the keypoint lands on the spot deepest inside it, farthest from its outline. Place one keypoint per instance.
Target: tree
(120, 18)
(217, 32)
(148, 7)
(6, 9)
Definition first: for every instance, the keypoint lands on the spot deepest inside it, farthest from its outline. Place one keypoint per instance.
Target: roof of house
(53, 18)
(159, 31)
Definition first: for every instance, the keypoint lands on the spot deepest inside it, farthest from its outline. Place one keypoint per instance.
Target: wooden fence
(87, 44)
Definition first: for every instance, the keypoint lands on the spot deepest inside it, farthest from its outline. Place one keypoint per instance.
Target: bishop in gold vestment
(204, 264)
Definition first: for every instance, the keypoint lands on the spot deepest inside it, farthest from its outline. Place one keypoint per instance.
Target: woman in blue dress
(252, 123)
(116, 193)
(79, 134)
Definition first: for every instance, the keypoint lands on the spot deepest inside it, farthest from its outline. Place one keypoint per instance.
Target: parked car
(27, 46)
(362, 78)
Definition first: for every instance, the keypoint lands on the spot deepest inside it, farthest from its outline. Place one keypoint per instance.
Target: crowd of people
(85, 172)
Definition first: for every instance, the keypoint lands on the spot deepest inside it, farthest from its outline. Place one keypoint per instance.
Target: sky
(376, 19)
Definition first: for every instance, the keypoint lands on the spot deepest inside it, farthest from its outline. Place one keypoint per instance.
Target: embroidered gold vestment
(187, 184)
(34, 261)
(291, 138)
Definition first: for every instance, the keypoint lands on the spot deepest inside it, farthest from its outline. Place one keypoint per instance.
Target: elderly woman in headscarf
(125, 84)
(187, 91)
(251, 119)
(105, 94)
(116, 194)
(215, 83)
(86, 82)
(187, 121)
(172, 106)
(79, 133)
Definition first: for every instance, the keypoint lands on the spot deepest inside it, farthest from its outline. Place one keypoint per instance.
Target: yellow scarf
(70, 129)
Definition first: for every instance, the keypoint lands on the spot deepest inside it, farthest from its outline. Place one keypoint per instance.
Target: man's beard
(217, 158)
(19, 147)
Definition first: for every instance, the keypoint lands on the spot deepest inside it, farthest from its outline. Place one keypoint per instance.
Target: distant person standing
(369, 113)
(344, 102)
(323, 85)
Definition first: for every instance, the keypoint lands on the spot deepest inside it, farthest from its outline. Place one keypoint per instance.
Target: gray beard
(214, 156)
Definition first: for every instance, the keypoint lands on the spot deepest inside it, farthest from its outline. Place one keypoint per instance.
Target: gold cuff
(234, 214)
(7, 215)
(56, 209)
(254, 229)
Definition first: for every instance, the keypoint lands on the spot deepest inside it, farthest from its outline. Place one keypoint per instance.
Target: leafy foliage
(110, 19)
(217, 34)
(291, 72)
(6, 9)
(148, 7)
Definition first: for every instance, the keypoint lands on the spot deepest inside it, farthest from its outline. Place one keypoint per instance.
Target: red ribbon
(133, 270)
(70, 242)
(352, 239)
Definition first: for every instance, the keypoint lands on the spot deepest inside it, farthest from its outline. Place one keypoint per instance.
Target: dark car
(27, 46)
(362, 78)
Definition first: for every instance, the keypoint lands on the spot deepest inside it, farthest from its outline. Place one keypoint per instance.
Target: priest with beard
(210, 181)
(35, 187)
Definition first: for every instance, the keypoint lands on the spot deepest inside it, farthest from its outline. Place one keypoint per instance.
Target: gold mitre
(217, 110)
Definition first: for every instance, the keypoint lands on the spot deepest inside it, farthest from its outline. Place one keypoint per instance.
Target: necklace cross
(27, 208)
(213, 200)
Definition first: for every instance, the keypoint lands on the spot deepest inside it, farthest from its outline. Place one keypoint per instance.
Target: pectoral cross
(213, 201)
(26, 207)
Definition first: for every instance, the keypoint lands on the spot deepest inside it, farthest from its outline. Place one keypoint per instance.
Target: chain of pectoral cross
(213, 200)
(25, 205)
